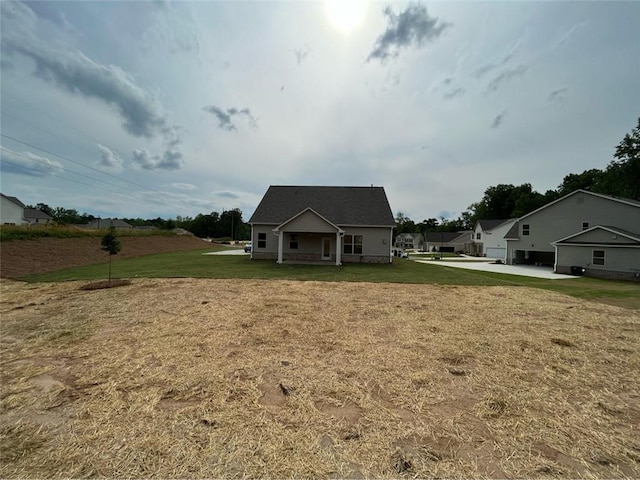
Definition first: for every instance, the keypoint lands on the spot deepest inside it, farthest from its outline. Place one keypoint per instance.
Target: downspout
(555, 260)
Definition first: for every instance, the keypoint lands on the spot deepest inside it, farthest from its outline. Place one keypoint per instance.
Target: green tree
(111, 245)
(588, 180)
(622, 176)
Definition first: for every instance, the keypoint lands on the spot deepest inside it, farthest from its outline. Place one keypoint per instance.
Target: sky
(170, 109)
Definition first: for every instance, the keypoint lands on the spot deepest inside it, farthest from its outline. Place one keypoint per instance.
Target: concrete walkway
(524, 270)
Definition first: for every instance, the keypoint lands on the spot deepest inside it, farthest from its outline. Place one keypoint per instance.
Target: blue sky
(146, 109)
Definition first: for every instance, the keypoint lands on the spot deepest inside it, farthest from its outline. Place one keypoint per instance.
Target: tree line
(621, 178)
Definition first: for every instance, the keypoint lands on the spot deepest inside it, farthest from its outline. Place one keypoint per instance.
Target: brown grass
(246, 378)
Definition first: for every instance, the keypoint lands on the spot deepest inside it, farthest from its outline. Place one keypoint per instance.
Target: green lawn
(194, 264)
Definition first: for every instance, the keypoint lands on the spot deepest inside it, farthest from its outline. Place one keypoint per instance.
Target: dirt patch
(118, 282)
(278, 379)
(26, 257)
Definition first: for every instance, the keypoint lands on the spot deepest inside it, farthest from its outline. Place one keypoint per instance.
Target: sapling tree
(110, 244)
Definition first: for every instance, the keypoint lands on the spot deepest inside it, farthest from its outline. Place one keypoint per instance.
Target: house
(11, 211)
(36, 217)
(487, 239)
(447, 241)
(108, 223)
(567, 226)
(323, 224)
(413, 241)
(601, 251)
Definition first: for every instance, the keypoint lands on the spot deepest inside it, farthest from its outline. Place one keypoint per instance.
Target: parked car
(247, 247)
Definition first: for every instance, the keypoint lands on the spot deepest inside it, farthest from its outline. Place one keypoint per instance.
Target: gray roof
(339, 205)
(13, 199)
(35, 213)
(491, 224)
(108, 222)
(444, 237)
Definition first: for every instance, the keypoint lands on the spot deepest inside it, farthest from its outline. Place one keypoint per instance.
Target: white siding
(309, 222)
(11, 213)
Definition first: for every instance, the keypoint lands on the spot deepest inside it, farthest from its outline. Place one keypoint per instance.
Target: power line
(78, 163)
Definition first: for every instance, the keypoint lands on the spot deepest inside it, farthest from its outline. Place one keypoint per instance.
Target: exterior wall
(603, 237)
(495, 238)
(11, 213)
(565, 218)
(620, 262)
(376, 246)
(271, 250)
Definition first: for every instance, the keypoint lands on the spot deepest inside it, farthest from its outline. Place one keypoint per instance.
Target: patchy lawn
(280, 378)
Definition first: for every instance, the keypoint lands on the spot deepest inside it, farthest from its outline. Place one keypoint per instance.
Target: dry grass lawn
(252, 378)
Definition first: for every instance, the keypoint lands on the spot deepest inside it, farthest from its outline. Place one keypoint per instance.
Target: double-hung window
(525, 229)
(262, 240)
(598, 257)
(293, 242)
(352, 244)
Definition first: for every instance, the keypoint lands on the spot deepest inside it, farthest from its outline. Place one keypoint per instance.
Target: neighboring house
(413, 241)
(600, 251)
(36, 217)
(109, 222)
(323, 224)
(11, 211)
(487, 239)
(447, 241)
(571, 220)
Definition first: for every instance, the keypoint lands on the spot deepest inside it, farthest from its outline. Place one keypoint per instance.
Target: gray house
(413, 241)
(108, 223)
(323, 224)
(34, 216)
(568, 226)
(447, 241)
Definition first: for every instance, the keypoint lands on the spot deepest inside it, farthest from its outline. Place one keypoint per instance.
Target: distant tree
(588, 180)
(43, 207)
(111, 245)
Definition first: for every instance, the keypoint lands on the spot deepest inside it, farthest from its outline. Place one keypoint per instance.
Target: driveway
(233, 251)
(524, 270)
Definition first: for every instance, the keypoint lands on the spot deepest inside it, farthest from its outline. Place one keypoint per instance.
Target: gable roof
(339, 205)
(608, 228)
(13, 200)
(491, 224)
(35, 213)
(299, 214)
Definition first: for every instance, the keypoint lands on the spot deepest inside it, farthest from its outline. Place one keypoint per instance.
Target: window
(525, 229)
(585, 225)
(293, 242)
(353, 244)
(478, 235)
(598, 257)
(262, 240)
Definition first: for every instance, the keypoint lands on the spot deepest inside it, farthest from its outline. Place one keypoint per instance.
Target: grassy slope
(194, 264)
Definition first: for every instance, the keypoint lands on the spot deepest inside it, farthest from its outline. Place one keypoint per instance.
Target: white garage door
(493, 252)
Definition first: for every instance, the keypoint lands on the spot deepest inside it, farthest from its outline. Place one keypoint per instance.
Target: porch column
(280, 247)
(338, 249)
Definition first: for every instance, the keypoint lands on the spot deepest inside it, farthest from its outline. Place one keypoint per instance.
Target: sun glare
(345, 15)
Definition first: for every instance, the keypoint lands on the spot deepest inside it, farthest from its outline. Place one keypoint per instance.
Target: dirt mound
(25, 257)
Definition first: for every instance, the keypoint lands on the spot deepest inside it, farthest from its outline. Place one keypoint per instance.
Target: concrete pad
(524, 270)
(227, 252)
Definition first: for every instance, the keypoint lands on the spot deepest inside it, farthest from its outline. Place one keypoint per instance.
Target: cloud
(412, 27)
(227, 195)
(558, 96)
(184, 186)
(505, 75)
(26, 163)
(109, 160)
(499, 118)
(487, 67)
(78, 74)
(224, 116)
(569, 33)
(456, 92)
(169, 160)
